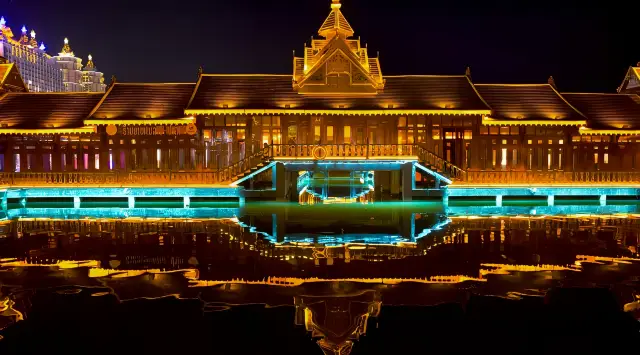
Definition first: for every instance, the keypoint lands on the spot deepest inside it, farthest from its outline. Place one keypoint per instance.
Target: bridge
(406, 170)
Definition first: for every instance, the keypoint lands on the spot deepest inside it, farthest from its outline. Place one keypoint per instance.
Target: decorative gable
(631, 83)
(336, 64)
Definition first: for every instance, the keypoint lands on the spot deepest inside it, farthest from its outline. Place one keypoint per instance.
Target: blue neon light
(433, 173)
(427, 231)
(235, 183)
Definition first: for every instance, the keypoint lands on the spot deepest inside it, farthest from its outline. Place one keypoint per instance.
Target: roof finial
(90, 65)
(200, 71)
(467, 72)
(2, 22)
(24, 39)
(66, 49)
(33, 43)
(638, 64)
(42, 47)
(335, 4)
(551, 82)
(113, 79)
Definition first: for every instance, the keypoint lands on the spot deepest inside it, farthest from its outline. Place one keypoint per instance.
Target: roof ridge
(424, 76)
(279, 75)
(523, 85)
(139, 83)
(597, 93)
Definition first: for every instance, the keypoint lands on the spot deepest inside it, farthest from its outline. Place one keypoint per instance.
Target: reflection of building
(336, 96)
(38, 69)
(337, 320)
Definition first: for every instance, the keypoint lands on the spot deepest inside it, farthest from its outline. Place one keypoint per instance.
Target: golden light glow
(232, 111)
(140, 122)
(488, 121)
(609, 132)
(36, 131)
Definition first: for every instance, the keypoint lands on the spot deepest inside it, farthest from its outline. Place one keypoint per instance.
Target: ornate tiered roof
(336, 64)
(423, 94)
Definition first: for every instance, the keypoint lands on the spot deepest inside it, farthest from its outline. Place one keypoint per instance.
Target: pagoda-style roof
(46, 110)
(608, 110)
(10, 78)
(272, 94)
(631, 82)
(529, 102)
(143, 101)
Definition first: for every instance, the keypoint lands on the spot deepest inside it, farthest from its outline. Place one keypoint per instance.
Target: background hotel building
(44, 73)
(338, 97)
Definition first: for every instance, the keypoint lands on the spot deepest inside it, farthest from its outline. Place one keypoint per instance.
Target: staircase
(434, 162)
(245, 167)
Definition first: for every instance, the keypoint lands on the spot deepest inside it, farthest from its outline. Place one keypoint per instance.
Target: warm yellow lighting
(90, 57)
(139, 122)
(36, 131)
(66, 41)
(609, 132)
(334, 112)
(487, 121)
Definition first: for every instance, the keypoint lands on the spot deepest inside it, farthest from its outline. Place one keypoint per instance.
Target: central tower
(336, 64)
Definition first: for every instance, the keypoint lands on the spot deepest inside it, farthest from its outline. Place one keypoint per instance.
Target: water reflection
(339, 261)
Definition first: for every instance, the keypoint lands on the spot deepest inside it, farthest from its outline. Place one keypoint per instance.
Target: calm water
(329, 269)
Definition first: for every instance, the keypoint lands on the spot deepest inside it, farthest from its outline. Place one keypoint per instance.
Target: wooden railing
(236, 169)
(324, 151)
(442, 166)
(108, 178)
(536, 177)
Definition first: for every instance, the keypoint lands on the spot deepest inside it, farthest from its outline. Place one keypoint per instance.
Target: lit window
(605, 158)
(493, 160)
(468, 134)
(504, 131)
(595, 158)
(504, 141)
(550, 141)
(435, 133)
(549, 159)
(158, 157)
(133, 141)
(329, 134)
(347, 134)
(503, 161)
(529, 141)
(241, 134)
(514, 160)
(316, 134)
(561, 141)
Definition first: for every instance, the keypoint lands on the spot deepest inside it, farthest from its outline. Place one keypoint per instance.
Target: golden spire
(66, 49)
(24, 40)
(335, 22)
(90, 66)
(33, 43)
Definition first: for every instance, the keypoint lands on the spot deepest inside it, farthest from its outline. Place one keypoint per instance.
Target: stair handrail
(242, 165)
(454, 172)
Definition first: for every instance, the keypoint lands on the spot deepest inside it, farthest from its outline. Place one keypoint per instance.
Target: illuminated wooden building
(336, 97)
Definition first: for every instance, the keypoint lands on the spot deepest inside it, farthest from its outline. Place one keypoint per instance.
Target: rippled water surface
(324, 259)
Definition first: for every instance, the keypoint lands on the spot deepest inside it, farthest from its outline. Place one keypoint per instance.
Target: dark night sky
(585, 48)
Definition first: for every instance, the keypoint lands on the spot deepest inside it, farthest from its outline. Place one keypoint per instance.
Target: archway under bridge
(284, 179)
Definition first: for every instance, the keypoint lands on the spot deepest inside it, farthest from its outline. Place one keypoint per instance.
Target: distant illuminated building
(36, 67)
(44, 73)
(71, 67)
(92, 79)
